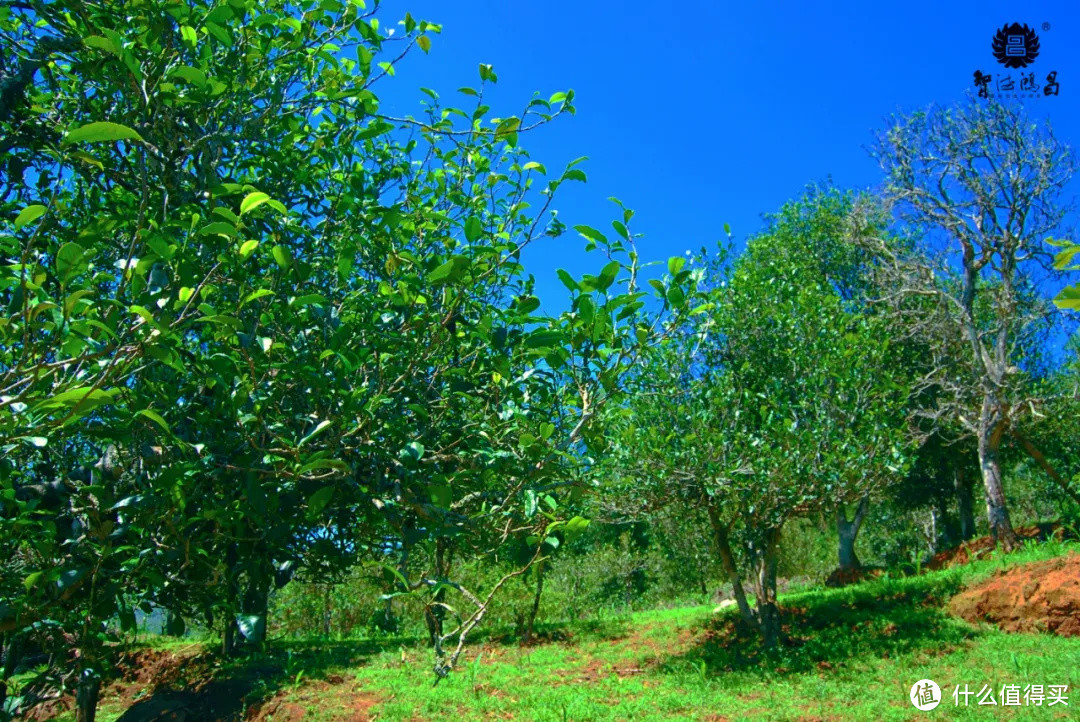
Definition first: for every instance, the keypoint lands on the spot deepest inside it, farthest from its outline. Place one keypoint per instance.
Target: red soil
(1039, 597)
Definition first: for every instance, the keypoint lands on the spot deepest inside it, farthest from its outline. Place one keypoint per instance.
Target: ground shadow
(823, 629)
(206, 686)
(202, 685)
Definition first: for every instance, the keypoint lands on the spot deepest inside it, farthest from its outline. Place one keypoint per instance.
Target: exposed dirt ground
(1044, 596)
(977, 548)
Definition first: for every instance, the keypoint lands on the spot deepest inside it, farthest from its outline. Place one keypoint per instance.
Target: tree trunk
(848, 532)
(228, 630)
(943, 527)
(228, 636)
(765, 559)
(435, 611)
(965, 507)
(531, 621)
(256, 606)
(86, 696)
(723, 547)
(991, 426)
(327, 612)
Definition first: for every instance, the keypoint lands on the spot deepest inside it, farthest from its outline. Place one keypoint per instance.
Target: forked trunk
(768, 612)
(848, 532)
(723, 548)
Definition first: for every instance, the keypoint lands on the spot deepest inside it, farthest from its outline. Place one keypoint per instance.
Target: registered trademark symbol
(1045, 27)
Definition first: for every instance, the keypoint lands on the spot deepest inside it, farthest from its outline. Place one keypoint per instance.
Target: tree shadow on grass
(206, 686)
(557, 632)
(822, 630)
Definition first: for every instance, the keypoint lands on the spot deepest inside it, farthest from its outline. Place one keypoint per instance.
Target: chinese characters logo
(1016, 46)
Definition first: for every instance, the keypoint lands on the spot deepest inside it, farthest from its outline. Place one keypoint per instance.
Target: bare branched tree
(980, 189)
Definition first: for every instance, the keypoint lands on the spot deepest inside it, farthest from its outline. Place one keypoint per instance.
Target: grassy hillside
(853, 654)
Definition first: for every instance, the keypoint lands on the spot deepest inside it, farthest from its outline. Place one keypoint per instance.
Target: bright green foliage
(779, 398)
(291, 331)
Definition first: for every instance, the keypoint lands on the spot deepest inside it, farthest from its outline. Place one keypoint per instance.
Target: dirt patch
(164, 667)
(978, 548)
(1044, 596)
(841, 577)
(331, 699)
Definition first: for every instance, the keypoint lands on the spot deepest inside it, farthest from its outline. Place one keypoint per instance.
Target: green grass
(855, 655)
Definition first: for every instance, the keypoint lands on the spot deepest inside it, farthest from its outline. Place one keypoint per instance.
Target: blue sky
(708, 113)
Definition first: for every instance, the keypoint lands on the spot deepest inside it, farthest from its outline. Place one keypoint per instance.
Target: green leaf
(156, 418)
(282, 256)
(318, 501)
(576, 525)
(568, 280)
(190, 75)
(675, 264)
(1069, 298)
(260, 293)
(533, 165)
(100, 132)
(69, 261)
(575, 175)
(247, 248)
(608, 275)
(188, 34)
(1062, 259)
(253, 201)
(473, 229)
(591, 233)
(319, 428)
(412, 452)
(424, 42)
(507, 127)
(620, 228)
(527, 304)
(543, 339)
(441, 495)
(96, 41)
(29, 215)
(442, 272)
(218, 228)
(88, 396)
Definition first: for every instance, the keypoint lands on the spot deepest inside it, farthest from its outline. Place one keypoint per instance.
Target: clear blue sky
(706, 113)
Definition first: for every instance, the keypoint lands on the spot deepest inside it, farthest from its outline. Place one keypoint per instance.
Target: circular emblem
(1016, 45)
(925, 695)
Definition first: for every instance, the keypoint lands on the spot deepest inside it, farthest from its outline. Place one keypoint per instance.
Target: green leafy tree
(773, 404)
(255, 326)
